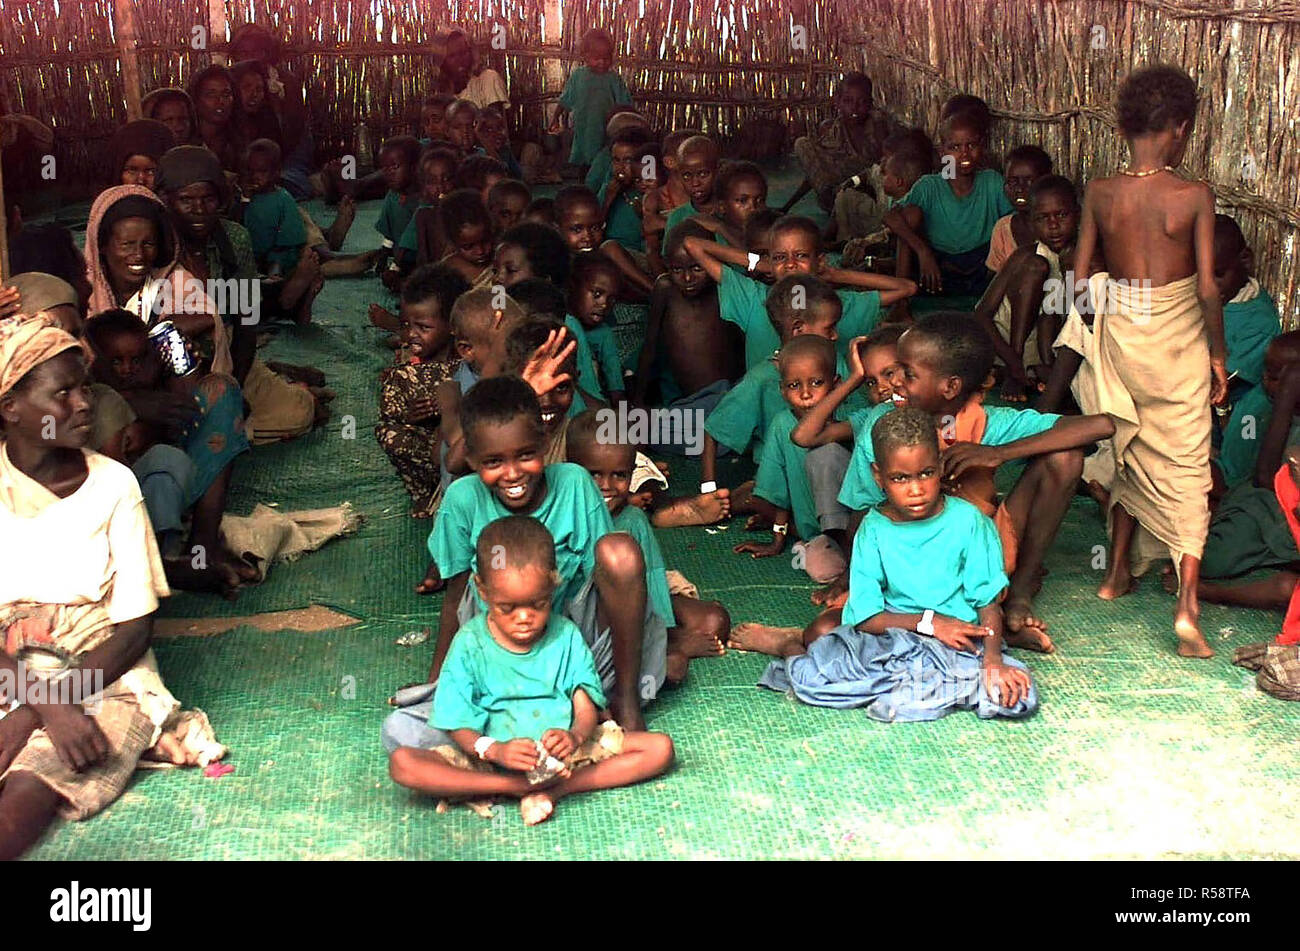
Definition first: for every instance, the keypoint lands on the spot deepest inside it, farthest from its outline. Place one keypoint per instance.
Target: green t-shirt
(1004, 425)
(1239, 453)
(622, 224)
(276, 230)
(604, 351)
(954, 225)
(950, 563)
(633, 521)
(1249, 328)
(508, 696)
(602, 167)
(408, 245)
(588, 378)
(571, 509)
(395, 214)
(676, 217)
(589, 97)
(781, 478)
(742, 300)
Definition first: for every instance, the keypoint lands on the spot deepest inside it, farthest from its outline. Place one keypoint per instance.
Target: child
(795, 249)
(945, 359)
(433, 119)
(695, 628)
(858, 216)
(279, 239)
(620, 120)
(667, 194)
(1250, 319)
(579, 217)
(468, 229)
(526, 339)
(507, 201)
(437, 174)
(531, 250)
(1020, 316)
(846, 145)
(409, 414)
(946, 221)
(742, 190)
(781, 486)
(519, 685)
(1154, 369)
(594, 283)
(480, 172)
(461, 117)
(1026, 164)
(922, 630)
(601, 572)
(698, 159)
(137, 147)
(80, 579)
(590, 92)
(398, 159)
(544, 301)
(494, 139)
(619, 197)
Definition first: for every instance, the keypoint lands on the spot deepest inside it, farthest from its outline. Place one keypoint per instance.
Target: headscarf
(26, 341)
(150, 103)
(141, 137)
(38, 292)
(262, 124)
(114, 204)
(187, 165)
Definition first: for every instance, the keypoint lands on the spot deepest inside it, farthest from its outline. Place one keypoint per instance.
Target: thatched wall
(1050, 71)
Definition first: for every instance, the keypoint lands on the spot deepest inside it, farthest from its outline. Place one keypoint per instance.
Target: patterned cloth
(830, 157)
(413, 447)
(1277, 666)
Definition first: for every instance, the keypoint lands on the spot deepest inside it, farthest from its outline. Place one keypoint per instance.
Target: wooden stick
(4, 230)
(125, 28)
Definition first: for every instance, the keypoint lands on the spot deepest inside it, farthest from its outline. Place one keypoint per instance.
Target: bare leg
(701, 627)
(338, 231)
(620, 586)
(644, 756)
(693, 510)
(427, 772)
(206, 531)
(782, 641)
(27, 807)
(1187, 613)
(1119, 579)
(1268, 594)
(635, 278)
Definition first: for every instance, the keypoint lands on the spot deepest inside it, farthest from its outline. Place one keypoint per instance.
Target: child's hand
(1219, 387)
(76, 737)
(392, 280)
(519, 755)
(959, 635)
(541, 372)
(560, 743)
(961, 457)
(857, 370)
(931, 279)
(1006, 685)
(419, 410)
(760, 550)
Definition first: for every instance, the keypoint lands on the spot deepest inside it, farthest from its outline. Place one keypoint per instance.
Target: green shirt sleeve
(859, 316)
(457, 702)
(604, 348)
(859, 491)
(1006, 424)
(983, 578)
(579, 668)
(743, 301)
(451, 543)
(866, 576)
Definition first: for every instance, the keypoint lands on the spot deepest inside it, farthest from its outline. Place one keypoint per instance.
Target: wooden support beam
(124, 26)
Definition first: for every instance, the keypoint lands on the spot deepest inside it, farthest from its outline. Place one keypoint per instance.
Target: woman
(137, 147)
(460, 73)
(174, 109)
(213, 94)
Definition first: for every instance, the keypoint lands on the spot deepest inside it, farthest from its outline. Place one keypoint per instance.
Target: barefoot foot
(1022, 629)
(696, 510)
(692, 643)
(1115, 585)
(678, 664)
(762, 638)
(1191, 642)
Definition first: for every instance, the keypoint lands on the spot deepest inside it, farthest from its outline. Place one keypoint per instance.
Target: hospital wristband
(780, 529)
(707, 487)
(482, 745)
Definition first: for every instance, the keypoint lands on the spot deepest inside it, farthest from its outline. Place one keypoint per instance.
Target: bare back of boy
(700, 346)
(1146, 225)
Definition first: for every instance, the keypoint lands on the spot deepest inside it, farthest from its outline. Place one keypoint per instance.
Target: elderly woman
(80, 580)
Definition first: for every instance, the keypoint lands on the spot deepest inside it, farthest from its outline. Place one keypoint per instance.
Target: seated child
(923, 601)
(467, 226)
(542, 212)
(398, 159)
(80, 579)
(544, 301)
(695, 628)
(698, 160)
(422, 242)
(494, 139)
(859, 213)
(945, 359)
(1017, 311)
(669, 193)
(409, 416)
(293, 276)
(781, 486)
(795, 249)
(1026, 164)
(480, 172)
(944, 224)
(594, 283)
(520, 685)
(531, 250)
(619, 197)
(578, 215)
(742, 190)
(507, 201)
(589, 94)
(1250, 319)
(601, 572)
(847, 145)
(461, 117)
(620, 119)
(433, 119)
(527, 338)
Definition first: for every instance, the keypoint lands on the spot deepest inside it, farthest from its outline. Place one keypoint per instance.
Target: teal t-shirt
(602, 167)
(1249, 328)
(954, 225)
(633, 521)
(395, 214)
(742, 300)
(408, 245)
(589, 97)
(745, 414)
(588, 378)
(507, 696)
(604, 351)
(571, 509)
(950, 563)
(1004, 425)
(1239, 453)
(276, 229)
(781, 478)
(622, 224)
(676, 217)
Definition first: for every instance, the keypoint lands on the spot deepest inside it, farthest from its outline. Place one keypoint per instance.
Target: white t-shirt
(485, 89)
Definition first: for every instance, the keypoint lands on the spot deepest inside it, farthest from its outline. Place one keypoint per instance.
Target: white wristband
(926, 624)
(707, 487)
(482, 745)
(754, 258)
(781, 529)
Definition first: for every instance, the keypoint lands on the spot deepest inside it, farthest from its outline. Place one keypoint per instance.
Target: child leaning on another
(922, 630)
(519, 688)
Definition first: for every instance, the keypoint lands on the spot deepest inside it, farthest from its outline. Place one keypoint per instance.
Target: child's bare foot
(338, 231)
(742, 498)
(834, 595)
(696, 510)
(758, 523)
(1191, 642)
(1013, 390)
(1022, 629)
(1117, 583)
(677, 666)
(536, 807)
(751, 636)
(432, 581)
(1169, 579)
(384, 320)
(694, 643)
(298, 283)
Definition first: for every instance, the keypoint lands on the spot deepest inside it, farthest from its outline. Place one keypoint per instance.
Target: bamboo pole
(4, 230)
(127, 37)
(217, 28)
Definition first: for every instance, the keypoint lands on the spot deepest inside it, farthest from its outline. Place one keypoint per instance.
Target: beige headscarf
(27, 341)
(40, 292)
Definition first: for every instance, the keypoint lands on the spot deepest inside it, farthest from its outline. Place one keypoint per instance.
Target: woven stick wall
(1050, 71)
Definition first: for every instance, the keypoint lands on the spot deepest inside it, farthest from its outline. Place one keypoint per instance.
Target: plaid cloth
(1277, 667)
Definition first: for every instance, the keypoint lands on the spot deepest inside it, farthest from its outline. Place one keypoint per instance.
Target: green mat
(1134, 753)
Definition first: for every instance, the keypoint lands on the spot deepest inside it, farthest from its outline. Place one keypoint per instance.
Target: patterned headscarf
(26, 341)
